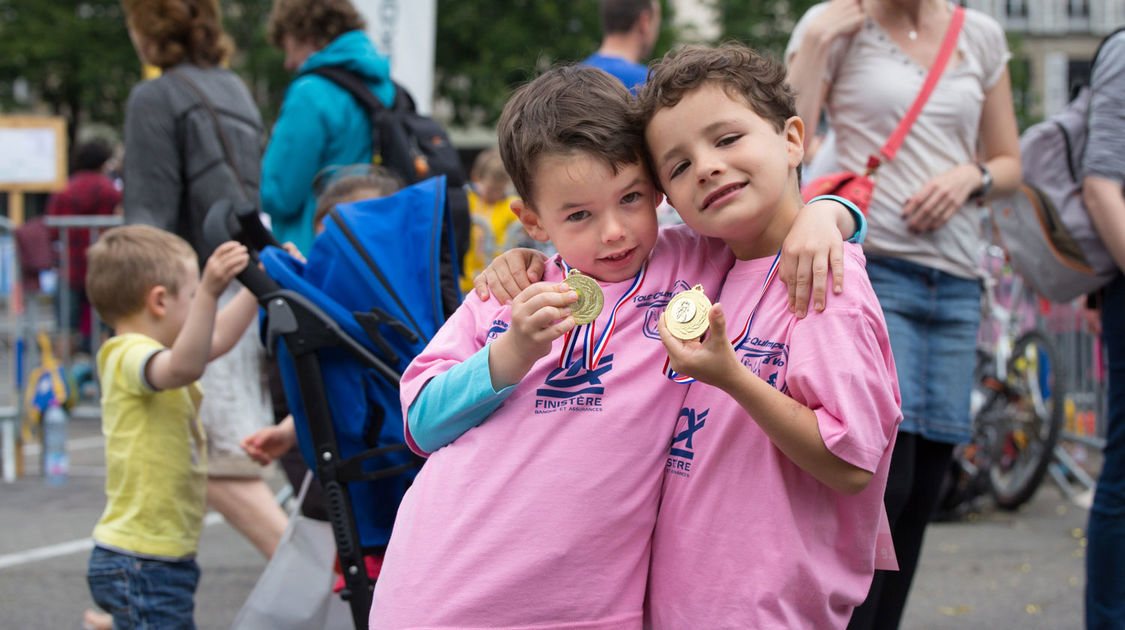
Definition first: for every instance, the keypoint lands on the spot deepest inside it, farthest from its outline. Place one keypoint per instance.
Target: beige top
(872, 84)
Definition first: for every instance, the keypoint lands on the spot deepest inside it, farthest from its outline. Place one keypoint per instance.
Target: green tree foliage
(74, 55)
(76, 58)
(259, 63)
(764, 25)
(487, 47)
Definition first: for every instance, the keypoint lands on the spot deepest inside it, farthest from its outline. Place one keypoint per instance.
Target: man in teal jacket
(320, 124)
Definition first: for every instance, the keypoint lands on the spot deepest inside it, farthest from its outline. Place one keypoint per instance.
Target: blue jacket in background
(320, 125)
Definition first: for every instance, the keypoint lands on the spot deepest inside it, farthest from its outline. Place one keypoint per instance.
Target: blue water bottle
(56, 462)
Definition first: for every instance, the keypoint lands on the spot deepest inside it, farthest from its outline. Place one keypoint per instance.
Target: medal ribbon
(592, 352)
(742, 336)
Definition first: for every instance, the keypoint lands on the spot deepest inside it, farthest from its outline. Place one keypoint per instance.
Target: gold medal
(590, 298)
(686, 315)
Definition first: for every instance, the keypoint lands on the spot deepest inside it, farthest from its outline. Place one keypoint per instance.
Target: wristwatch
(985, 183)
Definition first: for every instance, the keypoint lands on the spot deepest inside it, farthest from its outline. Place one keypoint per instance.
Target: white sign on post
(404, 31)
(31, 156)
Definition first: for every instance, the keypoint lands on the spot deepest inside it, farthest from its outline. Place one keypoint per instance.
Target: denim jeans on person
(141, 593)
(1105, 555)
(932, 320)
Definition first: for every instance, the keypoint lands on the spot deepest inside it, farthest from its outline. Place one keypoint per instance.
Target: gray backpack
(1044, 225)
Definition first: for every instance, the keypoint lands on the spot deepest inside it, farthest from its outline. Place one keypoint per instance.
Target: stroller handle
(227, 221)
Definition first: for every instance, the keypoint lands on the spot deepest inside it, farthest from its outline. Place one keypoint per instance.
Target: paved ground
(996, 571)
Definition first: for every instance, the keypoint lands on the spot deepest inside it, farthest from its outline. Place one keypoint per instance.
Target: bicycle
(1017, 405)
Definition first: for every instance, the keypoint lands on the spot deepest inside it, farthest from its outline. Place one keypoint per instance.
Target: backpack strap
(376, 109)
(227, 155)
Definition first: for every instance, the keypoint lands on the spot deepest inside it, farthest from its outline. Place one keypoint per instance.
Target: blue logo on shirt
(573, 388)
(498, 327)
(765, 358)
(682, 452)
(655, 303)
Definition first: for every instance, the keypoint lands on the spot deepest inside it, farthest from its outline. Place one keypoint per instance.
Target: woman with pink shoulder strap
(864, 63)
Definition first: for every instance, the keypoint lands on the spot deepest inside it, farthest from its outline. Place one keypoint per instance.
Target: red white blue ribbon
(592, 352)
(742, 336)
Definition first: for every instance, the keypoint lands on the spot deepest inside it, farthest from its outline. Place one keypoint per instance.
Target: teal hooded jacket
(320, 125)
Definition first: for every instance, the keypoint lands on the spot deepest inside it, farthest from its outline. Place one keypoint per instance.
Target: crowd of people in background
(194, 135)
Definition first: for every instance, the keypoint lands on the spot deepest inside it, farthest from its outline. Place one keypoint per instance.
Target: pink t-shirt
(745, 538)
(542, 515)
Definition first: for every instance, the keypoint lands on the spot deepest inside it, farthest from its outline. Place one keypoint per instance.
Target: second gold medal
(686, 315)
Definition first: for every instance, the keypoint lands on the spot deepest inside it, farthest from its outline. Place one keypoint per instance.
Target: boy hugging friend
(543, 502)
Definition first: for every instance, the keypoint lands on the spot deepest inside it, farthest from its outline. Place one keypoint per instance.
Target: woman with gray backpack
(193, 136)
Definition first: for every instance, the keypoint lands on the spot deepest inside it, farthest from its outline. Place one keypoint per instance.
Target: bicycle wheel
(1030, 421)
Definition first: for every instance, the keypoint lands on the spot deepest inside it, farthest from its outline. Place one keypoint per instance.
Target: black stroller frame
(306, 328)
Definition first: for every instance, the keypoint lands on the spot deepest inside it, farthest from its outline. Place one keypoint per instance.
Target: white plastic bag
(295, 589)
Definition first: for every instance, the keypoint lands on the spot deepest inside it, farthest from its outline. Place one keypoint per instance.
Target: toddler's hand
(267, 444)
(509, 273)
(706, 361)
(291, 249)
(226, 262)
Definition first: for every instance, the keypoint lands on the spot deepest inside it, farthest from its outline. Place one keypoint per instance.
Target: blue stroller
(343, 327)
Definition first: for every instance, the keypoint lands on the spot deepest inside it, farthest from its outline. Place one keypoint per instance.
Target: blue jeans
(1105, 555)
(932, 319)
(142, 593)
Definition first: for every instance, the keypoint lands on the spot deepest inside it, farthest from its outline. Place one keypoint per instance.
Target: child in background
(349, 184)
(774, 481)
(541, 512)
(145, 283)
(490, 205)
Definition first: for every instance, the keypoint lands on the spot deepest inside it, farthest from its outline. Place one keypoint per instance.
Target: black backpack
(415, 147)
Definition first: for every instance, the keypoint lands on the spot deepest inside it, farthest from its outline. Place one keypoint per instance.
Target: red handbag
(858, 188)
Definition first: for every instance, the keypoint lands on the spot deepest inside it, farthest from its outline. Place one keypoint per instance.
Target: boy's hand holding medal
(686, 315)
(708, 360)
(541, 313)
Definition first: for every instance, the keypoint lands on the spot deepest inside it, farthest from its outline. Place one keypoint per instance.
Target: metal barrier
(65, 224)
(1085, 403)
(15, 336)
(20, 326)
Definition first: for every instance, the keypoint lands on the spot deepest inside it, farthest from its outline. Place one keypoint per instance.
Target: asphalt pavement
(992, 569)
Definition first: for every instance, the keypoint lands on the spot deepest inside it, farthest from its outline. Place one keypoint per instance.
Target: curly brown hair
(568, 110)
(315, 21)
(179, 31)
(756, 80)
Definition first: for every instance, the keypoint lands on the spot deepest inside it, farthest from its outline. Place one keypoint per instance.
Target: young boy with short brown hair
(774, 481)
(145, 284)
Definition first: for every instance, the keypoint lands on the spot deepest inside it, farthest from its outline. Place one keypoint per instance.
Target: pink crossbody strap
(947, 46)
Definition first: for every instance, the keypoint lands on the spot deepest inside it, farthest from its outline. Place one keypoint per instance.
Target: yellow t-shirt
(499, 217)
(155, 457)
